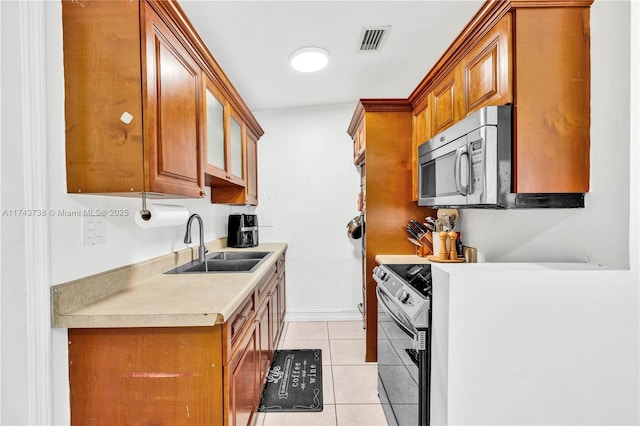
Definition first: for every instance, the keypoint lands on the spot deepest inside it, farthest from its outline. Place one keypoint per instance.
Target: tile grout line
(333, 381)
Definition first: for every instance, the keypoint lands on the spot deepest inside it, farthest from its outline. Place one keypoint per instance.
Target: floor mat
(294, 382)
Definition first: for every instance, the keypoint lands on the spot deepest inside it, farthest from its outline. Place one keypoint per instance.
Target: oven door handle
(393, 316)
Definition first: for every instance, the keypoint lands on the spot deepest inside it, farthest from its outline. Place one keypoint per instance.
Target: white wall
(13, 366)
(305, 166)
(597, 233)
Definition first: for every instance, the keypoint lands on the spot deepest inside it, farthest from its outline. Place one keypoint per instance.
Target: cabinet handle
(243, 318)
(126, 117)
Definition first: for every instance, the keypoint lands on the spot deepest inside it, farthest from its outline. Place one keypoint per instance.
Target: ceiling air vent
(371, 38)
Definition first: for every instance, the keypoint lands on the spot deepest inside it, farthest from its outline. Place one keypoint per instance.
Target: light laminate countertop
(159, 299)
(401, 259)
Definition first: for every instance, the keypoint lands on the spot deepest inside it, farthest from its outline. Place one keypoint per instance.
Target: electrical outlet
(93, 230)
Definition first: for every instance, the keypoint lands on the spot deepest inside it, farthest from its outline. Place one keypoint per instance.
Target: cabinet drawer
(265, 286)
(240, 319)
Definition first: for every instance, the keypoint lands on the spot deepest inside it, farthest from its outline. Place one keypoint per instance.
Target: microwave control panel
(477, 162)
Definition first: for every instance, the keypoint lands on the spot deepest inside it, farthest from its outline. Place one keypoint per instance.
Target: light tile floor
(350, 395)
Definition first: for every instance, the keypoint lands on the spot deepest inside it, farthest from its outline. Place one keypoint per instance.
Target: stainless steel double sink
(224, 261)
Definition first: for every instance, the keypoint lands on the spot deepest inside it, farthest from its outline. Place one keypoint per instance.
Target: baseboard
(323, 315)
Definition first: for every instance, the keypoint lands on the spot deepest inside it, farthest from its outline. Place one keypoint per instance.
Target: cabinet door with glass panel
(224, 134)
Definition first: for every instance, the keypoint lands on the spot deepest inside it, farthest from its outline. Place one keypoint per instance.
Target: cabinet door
(235, 156)
(252, 169)
(214, 130)
(421, 133)
(265, 345)
(486, 70)
(274, 314)
(173, 157)
(103, 154)
(282, 301)
(112, 380)
(231, 151)
(243, 380)
(553, 98)
(359, 145)
(444, 114)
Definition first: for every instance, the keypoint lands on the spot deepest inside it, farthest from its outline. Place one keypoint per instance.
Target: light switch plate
(93, 230)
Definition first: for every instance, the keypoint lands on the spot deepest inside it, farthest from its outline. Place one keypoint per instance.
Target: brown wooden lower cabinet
(178, 375)
(131, 376)
(244, 379)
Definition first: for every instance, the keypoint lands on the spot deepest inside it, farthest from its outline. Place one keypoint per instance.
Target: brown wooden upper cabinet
(444, 111)
(485, 72)
(148, 109)
(421, 132)
(231, 167)
(252, 168)
(359, 145)
(224, 132)
(119, 141)
(534, 55)
(172, 95)
(215, 122)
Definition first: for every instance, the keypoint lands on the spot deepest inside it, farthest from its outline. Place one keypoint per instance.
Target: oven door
(398, 364)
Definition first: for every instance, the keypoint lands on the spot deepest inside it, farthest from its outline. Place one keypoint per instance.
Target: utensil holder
(435, 239)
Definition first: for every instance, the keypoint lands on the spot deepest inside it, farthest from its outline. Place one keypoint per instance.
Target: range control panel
(413, 304)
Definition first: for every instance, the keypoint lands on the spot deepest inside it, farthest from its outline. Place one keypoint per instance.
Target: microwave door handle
(457, 167)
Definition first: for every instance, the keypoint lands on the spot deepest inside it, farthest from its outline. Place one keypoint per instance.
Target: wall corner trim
(37, 273)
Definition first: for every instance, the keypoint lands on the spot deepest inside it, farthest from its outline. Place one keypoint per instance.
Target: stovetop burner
(417, 276)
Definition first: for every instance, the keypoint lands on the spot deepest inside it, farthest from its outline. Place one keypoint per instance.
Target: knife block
(423, 251)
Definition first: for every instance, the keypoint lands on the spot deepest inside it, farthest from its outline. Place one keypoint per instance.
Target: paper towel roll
(163, 215)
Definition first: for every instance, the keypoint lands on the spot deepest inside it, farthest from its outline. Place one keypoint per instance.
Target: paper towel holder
(144, 213)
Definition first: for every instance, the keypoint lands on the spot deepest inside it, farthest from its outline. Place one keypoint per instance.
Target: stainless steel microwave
(470, 165)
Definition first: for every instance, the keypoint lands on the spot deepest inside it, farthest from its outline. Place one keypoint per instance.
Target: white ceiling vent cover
(372, 38)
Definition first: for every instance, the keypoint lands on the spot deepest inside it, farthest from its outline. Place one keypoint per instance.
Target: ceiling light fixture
(309, 59)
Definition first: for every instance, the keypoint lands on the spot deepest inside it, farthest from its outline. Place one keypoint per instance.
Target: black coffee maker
(242, 230)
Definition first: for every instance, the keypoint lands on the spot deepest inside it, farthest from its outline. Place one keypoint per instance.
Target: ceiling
(252, 42)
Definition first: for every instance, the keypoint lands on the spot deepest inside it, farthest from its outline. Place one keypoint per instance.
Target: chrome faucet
(187, 236)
